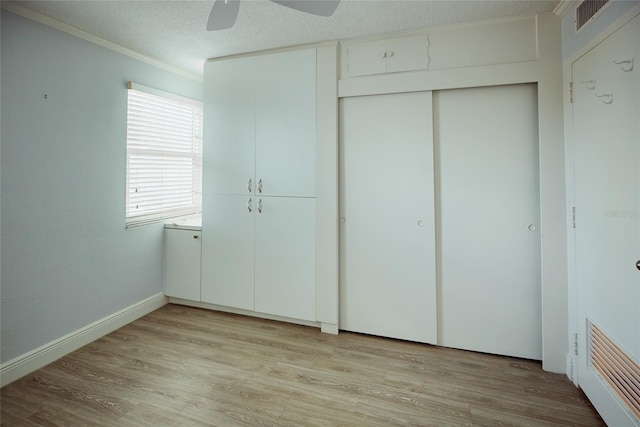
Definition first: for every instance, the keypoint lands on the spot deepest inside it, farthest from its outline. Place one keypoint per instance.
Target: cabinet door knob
(260, 206)
(389, 54)
(195, 236)
(249, 186)
(383, 55)
(260, 186)
(249, 205)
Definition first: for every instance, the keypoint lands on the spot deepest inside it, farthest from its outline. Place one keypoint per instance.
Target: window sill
(192, 222)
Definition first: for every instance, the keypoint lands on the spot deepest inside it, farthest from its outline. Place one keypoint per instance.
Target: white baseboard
(50, 352)
(329, 328)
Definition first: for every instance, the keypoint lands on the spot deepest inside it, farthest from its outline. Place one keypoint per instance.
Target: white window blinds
(164, 155)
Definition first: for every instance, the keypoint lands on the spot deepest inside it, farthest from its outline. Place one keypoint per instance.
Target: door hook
(590, 84)
(627, 65)
(607, 98)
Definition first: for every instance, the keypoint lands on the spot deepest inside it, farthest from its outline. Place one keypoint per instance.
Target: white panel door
(285, 257)
(229, 126)
(286, 124)
(487, 140)
(387, 250)
(606, 128)
(227, 250)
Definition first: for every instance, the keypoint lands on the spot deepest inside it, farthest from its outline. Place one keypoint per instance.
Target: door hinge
(575, 344)
(570, 92)
(573, 217)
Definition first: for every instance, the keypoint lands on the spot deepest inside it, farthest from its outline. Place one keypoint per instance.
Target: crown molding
(14, 7)
(563, 7)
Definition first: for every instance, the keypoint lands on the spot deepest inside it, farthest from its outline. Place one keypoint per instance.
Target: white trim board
(50, 352)
(563, 7)
(243, 312)
(14, 7)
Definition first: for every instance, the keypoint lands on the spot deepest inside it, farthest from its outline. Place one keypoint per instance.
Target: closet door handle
(249, 185)
(260, 206)
(260, 186)
(250, 205)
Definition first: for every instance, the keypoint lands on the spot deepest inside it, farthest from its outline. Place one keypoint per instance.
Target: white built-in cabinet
(260, 125)
(259, 187)
(388, 55)
(182, 263)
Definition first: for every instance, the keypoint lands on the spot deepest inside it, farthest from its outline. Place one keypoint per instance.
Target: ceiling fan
(224, 12)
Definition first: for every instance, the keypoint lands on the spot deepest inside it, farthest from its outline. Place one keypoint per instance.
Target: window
(164, 155)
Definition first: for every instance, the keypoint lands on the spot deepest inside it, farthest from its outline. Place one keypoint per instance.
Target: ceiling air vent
(587, 10)
(616, 367)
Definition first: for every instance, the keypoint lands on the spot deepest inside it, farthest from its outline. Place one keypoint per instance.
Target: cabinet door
(229, 127)
(227, 250)
(285, 257)
(286, 123)
(182, 264)
(407, 54)
(388, 56)
(367, 58)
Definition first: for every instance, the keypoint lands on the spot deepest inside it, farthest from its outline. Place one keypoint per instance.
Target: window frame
(157, 153)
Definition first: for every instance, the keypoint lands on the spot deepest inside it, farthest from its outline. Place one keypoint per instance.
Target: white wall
(67, 259)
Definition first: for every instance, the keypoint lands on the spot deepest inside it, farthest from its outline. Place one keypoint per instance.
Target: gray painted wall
(572, 41)
(67, 259)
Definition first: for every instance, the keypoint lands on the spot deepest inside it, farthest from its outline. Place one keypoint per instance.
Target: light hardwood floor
(182, 366)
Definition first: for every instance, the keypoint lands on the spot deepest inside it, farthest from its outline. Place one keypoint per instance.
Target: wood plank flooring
(182, 366)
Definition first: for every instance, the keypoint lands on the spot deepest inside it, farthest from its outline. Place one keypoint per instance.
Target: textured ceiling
(175, 31)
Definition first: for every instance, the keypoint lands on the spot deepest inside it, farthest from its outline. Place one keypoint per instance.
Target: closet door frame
(546, 71)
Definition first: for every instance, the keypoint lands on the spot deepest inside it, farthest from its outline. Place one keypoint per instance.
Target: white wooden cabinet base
(328, 328)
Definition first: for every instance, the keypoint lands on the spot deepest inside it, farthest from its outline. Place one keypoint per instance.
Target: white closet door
(229, 127)
(606, 129)
(387, 254)
(487, 140)
(286, 124)
(227, 250)
(285, 257)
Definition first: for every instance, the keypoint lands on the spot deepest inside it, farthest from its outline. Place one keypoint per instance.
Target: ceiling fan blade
(315, 7)
(223, 14)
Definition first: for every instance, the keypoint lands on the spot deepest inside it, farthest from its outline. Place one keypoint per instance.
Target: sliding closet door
(489, 211)
(387, 257)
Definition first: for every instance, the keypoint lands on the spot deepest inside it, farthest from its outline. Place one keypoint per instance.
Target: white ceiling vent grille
(587, 10)
(616, 367)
